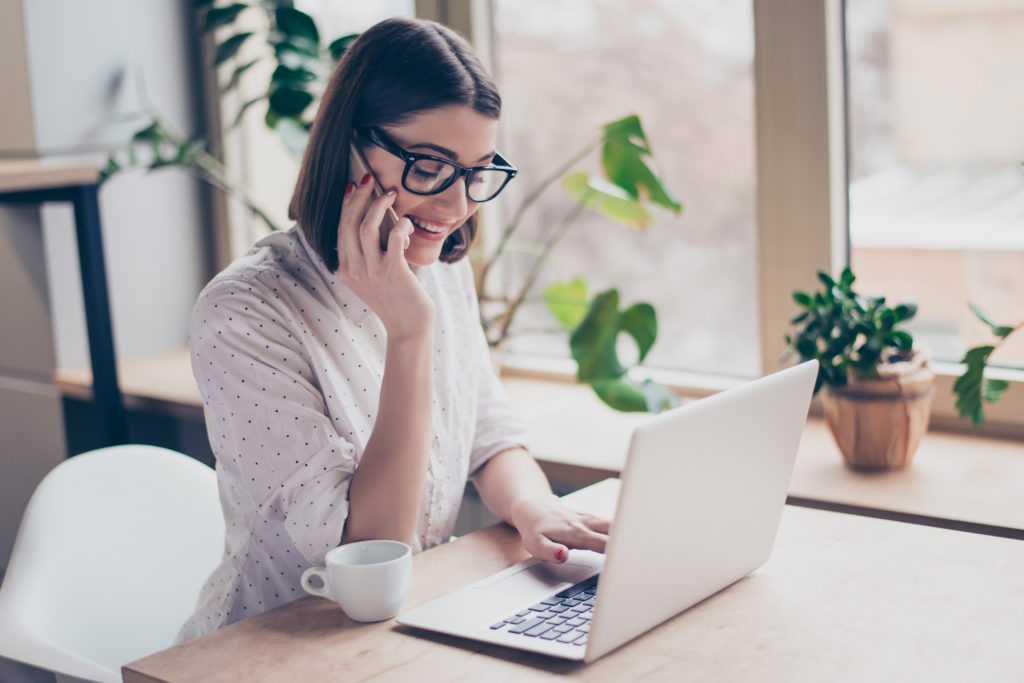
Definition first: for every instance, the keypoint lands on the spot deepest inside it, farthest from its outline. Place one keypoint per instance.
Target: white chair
(109, 559)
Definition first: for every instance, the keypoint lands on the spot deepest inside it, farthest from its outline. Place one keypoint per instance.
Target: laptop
(699, 503)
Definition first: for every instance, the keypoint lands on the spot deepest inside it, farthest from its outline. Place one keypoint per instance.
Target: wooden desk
(843, 598)
(34, 181)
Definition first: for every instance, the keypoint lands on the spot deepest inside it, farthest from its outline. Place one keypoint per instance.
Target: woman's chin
(422, 254)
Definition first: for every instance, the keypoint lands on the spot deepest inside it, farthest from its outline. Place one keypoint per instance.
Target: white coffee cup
(368, 579)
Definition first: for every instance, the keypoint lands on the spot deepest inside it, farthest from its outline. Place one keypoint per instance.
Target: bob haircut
(393, 71)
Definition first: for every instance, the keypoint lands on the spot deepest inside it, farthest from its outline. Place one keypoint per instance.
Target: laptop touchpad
(540, 577)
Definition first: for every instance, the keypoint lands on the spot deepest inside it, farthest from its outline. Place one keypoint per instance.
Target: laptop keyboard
(564, 617)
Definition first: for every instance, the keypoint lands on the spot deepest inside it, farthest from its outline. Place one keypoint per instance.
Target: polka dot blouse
(289, 362)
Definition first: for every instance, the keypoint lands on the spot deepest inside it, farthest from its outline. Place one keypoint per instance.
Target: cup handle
(309, 587)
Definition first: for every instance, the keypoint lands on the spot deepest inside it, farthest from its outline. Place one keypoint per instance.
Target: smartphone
(357, 169)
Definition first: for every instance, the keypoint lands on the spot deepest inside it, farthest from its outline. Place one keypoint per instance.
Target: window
(936, 182)
(565, 68)
(800, 220)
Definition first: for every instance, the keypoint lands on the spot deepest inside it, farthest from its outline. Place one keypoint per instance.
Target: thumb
(399, 237)
(544, 548)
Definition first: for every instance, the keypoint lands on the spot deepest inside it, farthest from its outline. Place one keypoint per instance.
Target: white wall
(86, 59)
(69, 68)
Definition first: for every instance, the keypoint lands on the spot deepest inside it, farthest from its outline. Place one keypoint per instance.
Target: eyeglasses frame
(376, 136)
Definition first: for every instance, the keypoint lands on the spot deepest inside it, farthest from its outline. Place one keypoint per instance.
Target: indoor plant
(878, 387)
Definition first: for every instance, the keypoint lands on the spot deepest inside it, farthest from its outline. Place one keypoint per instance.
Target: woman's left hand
(549, 528)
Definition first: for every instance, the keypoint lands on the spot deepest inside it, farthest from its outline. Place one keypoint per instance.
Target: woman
(348, 390)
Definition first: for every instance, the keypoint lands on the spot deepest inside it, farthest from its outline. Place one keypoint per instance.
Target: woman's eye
(423, 174)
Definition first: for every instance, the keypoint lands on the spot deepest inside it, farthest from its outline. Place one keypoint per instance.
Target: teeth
(421, 226)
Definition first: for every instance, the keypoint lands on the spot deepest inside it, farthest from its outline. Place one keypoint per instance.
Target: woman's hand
(383, 280)
(549, 528)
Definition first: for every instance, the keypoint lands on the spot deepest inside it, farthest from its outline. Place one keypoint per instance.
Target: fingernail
(366, 179)
(560, 554)
(349, 188)
(390, 193)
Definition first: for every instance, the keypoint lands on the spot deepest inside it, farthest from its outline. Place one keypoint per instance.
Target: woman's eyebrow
(447, 152)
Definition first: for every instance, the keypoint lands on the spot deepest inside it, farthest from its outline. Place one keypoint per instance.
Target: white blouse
(289, 362)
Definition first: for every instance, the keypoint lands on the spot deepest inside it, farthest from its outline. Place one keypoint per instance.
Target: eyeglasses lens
(427, 176)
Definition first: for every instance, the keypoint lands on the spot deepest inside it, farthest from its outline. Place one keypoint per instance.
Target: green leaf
(295, 50)
(968, 387)
(288, 101)
(188, 150)
(567, 302)
(606, 199)
(846, 278)
(621, 394)
(803, 298)
(1001, 331)
(293, 22)
(623, 156)
(229, 47)
(111, 168)
(640, 322)
(901, 340)
(993, 390)
(237, 75)
(593, 342)
(826, 279)
(339, 46)
(286, 74)
(293, 134)
(150, 133)
(222, 16)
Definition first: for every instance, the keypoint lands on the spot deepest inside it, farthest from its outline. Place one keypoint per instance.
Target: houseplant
(302, 62)
(877, 386)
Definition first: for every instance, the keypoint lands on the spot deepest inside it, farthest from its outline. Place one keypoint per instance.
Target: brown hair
(395, 70)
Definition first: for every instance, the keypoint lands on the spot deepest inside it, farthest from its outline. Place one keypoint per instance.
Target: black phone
(357, 169)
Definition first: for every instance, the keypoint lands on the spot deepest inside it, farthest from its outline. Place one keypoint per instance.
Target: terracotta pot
(878, 423)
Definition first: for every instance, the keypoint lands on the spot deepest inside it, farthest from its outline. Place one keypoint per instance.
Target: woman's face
(457, 133)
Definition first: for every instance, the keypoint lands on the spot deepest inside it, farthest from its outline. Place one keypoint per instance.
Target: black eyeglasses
(426, 175)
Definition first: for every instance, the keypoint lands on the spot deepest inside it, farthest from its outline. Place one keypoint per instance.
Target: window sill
(956, 480)
(969, 479)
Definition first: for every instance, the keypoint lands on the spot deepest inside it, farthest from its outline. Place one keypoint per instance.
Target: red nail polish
(349, 188)
(366, 179)
(560, 554)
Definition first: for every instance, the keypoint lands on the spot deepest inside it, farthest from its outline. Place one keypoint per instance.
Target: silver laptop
(698, 508)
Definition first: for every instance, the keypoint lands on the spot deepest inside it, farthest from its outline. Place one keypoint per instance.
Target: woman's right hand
(382, 279)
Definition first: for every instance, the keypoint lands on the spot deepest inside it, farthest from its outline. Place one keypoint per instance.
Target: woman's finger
(352, 209)
(399, 239)
(543, 548)
(601, 526)
(585, 539)
(369, 228)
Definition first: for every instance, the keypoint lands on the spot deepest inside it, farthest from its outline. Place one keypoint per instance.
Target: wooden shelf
(959, 477)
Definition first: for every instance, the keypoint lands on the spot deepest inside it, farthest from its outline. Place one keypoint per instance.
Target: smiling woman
(347, 388)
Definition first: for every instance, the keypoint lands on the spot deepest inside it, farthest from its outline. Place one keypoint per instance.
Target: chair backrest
(109, 559)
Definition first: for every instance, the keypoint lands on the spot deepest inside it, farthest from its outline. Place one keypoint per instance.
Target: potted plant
(878, 387)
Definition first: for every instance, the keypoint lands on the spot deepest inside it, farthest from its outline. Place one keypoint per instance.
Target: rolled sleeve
(266, 416)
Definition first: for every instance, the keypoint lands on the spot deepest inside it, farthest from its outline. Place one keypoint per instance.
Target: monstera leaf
(595, 330)
(624, 156)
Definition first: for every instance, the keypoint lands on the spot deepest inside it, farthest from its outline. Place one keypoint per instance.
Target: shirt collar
(352, 307)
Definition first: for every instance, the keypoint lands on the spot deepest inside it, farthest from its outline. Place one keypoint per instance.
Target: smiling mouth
(429, 227)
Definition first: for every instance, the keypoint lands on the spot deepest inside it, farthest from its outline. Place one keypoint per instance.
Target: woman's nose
(454, 197)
